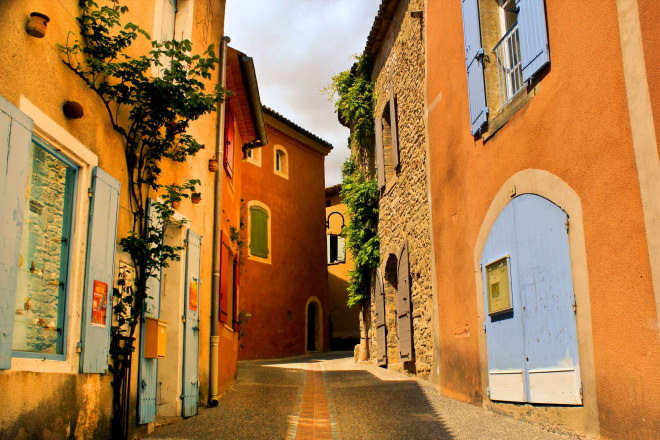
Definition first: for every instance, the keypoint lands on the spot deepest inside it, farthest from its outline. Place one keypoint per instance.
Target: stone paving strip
(328, 396)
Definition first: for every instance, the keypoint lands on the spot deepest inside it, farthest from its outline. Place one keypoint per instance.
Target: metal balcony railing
(509, 70)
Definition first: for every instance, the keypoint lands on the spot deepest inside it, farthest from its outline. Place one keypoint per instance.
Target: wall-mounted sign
(99, 304)
(499, 289)
(193, 297)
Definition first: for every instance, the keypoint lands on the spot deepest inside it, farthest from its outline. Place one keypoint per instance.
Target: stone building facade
(396, 47)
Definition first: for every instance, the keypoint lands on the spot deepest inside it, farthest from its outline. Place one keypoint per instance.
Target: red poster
(193, 296)
(99, 303)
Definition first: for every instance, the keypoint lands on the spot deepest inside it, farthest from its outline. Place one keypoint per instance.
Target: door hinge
(183, 318)
(484, 325)
(567, 225)
(90, 192)
(581, 393)
(574, 306)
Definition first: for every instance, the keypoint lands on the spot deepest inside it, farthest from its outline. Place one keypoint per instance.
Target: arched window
(281, 162)
(259, 231)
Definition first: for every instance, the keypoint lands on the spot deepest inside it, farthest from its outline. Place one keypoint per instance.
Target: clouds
(297, 46)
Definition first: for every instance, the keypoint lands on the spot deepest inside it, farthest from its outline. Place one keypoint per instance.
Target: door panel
(539, 336)
(191, 326)
(148, 368)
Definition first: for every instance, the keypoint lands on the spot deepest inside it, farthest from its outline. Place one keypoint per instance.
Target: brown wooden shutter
(381, 336)
(404, 323)
(380, 160)
(393, 128)
(237, 270)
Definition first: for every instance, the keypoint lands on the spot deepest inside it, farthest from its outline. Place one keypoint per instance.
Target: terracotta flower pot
(37, 24)
(73, 110)
(213, 165)
(196, 198)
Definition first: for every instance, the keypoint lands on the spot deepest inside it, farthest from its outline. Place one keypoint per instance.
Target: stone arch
(553, 188)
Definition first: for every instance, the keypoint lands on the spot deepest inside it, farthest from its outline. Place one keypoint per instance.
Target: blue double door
(531, 336)
(148, 368)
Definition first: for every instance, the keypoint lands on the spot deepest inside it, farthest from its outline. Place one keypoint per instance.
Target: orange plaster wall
(298, 257)
(577, 128)
(231, 206)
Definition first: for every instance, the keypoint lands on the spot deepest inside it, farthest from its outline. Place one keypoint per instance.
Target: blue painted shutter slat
(191, 328)
(381, 329)
(15, 139)
(474, 64)
(148, 368)
(99, 267)
(534, 47)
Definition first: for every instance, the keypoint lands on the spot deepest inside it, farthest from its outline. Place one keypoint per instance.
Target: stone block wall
(404, 211)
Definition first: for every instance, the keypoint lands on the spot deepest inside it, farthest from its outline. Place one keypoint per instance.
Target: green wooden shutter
(15, 138)
(258, 232)
(100, 268)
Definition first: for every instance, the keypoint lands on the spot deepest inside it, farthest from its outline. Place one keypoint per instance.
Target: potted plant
(213, 165)
(196, 198)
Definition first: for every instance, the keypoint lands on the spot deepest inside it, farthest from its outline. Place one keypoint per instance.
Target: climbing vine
(354, 93)
(360, 194)
(151, 114)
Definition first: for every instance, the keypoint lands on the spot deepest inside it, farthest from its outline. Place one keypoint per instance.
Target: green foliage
(354, 105)
(360, 194)
(151, 113)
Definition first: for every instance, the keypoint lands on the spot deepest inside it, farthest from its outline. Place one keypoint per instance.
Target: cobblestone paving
(330, 397)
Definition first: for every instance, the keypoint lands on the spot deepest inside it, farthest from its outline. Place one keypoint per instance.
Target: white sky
(297, 46)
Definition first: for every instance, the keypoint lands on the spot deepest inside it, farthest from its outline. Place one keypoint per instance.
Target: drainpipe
(217, 233)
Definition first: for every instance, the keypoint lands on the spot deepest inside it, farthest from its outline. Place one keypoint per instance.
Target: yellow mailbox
(155, 335)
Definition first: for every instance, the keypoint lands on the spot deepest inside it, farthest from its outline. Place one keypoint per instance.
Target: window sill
(509, 110)
(259, 259)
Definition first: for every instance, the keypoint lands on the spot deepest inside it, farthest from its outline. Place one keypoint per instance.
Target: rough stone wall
(404, 213)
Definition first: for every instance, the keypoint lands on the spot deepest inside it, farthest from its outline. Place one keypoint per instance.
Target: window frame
(283, 159)
(70, 219)
(253, 156)
(72, 149)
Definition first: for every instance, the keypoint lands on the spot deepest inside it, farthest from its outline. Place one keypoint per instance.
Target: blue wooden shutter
(15, 139)
(148, 368)
(381, 329)
(191, 326)
(534, 47)
(474, 53)
(99, 268)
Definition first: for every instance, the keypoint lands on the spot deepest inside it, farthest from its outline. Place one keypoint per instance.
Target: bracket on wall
(327, 221)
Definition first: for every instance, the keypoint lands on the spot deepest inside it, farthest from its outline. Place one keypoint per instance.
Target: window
(387, 143)
(506, 46)
(259, 231)
(281, 161)
(42, 284)
(336, 248)
(44, 192)
(227, 282)
(253, 156)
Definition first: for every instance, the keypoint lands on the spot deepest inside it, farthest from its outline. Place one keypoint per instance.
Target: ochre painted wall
(577, 127)
(345, 320)
(297, 271)
(32, 69)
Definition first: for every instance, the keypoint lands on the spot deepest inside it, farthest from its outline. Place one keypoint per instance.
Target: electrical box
(155, 337)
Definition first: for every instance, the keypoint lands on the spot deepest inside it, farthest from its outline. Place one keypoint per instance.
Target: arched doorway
(530, 323)
(313, 325)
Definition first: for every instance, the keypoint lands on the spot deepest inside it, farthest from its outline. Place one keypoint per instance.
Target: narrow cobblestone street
(330, 397)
